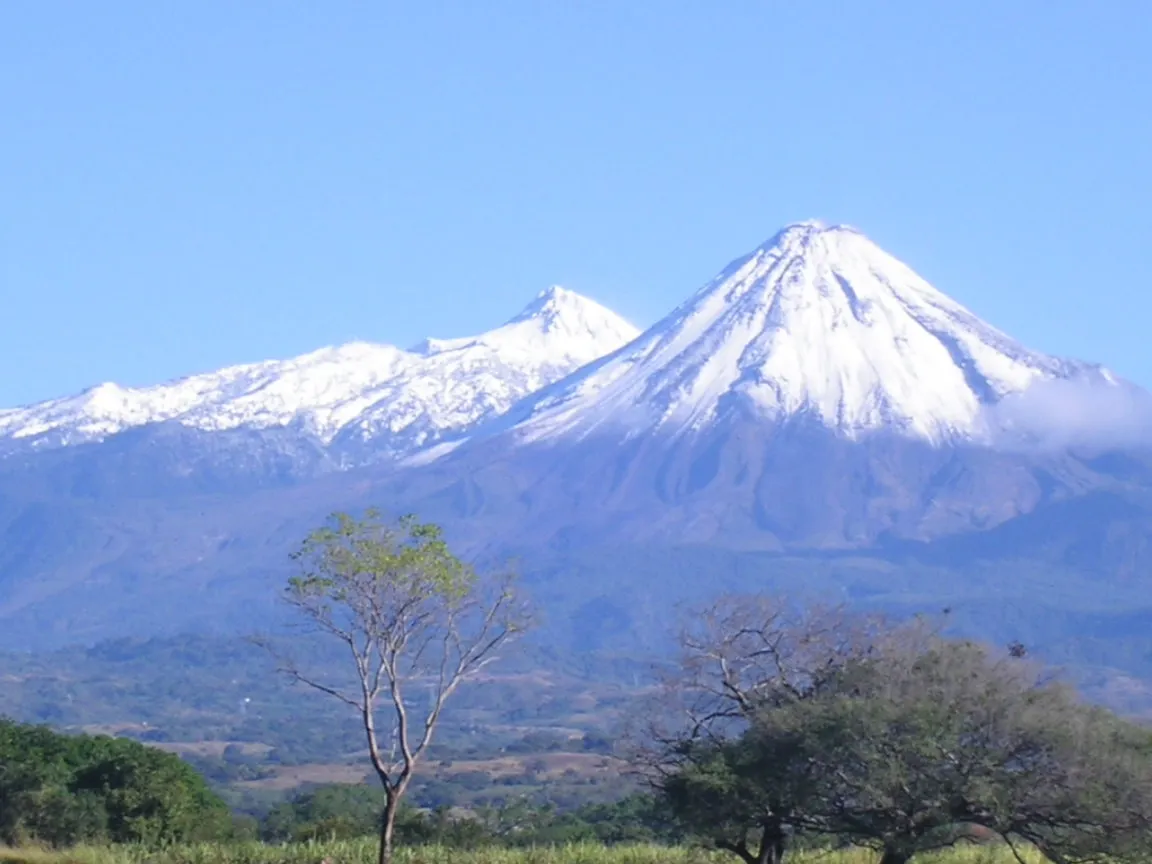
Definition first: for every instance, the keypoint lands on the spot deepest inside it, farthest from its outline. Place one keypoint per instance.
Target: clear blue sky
(189, 185)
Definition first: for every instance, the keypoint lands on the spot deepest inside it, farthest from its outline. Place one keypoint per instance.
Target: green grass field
(364, 852)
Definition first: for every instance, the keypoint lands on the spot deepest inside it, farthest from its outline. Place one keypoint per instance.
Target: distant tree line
(66, 789)
(340, 812)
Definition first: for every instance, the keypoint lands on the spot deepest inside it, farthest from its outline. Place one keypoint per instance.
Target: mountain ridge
(372, 392)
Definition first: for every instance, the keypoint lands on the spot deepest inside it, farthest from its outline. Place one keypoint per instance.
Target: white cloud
(1096, 411)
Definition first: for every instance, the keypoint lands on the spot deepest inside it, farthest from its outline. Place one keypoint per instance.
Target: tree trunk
(771, 845)
(388, 829)
(893, 855)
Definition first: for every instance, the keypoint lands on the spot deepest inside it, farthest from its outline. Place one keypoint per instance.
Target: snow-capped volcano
(396, 398)
(805, 424)
(818, 322)
(816, 394)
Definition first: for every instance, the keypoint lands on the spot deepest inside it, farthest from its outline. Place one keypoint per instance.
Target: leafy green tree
(746, 796)
(939, 741)
(417, 622)
(151, 797)
(19, 788)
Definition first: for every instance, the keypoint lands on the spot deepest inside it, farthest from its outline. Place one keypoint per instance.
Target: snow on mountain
(818, 322)
(460, 382)
(360, 389)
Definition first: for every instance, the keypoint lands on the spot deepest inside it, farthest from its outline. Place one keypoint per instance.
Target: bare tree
(747, 651)
(416, 623)
(740, 656)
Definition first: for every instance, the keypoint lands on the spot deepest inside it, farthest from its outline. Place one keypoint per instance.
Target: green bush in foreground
(66, 789)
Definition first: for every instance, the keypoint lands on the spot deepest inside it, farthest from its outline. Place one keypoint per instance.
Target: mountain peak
(812, 226)
(818, 322)
(554, 294)
(806, 230)
(556, 314)
(557, 301)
